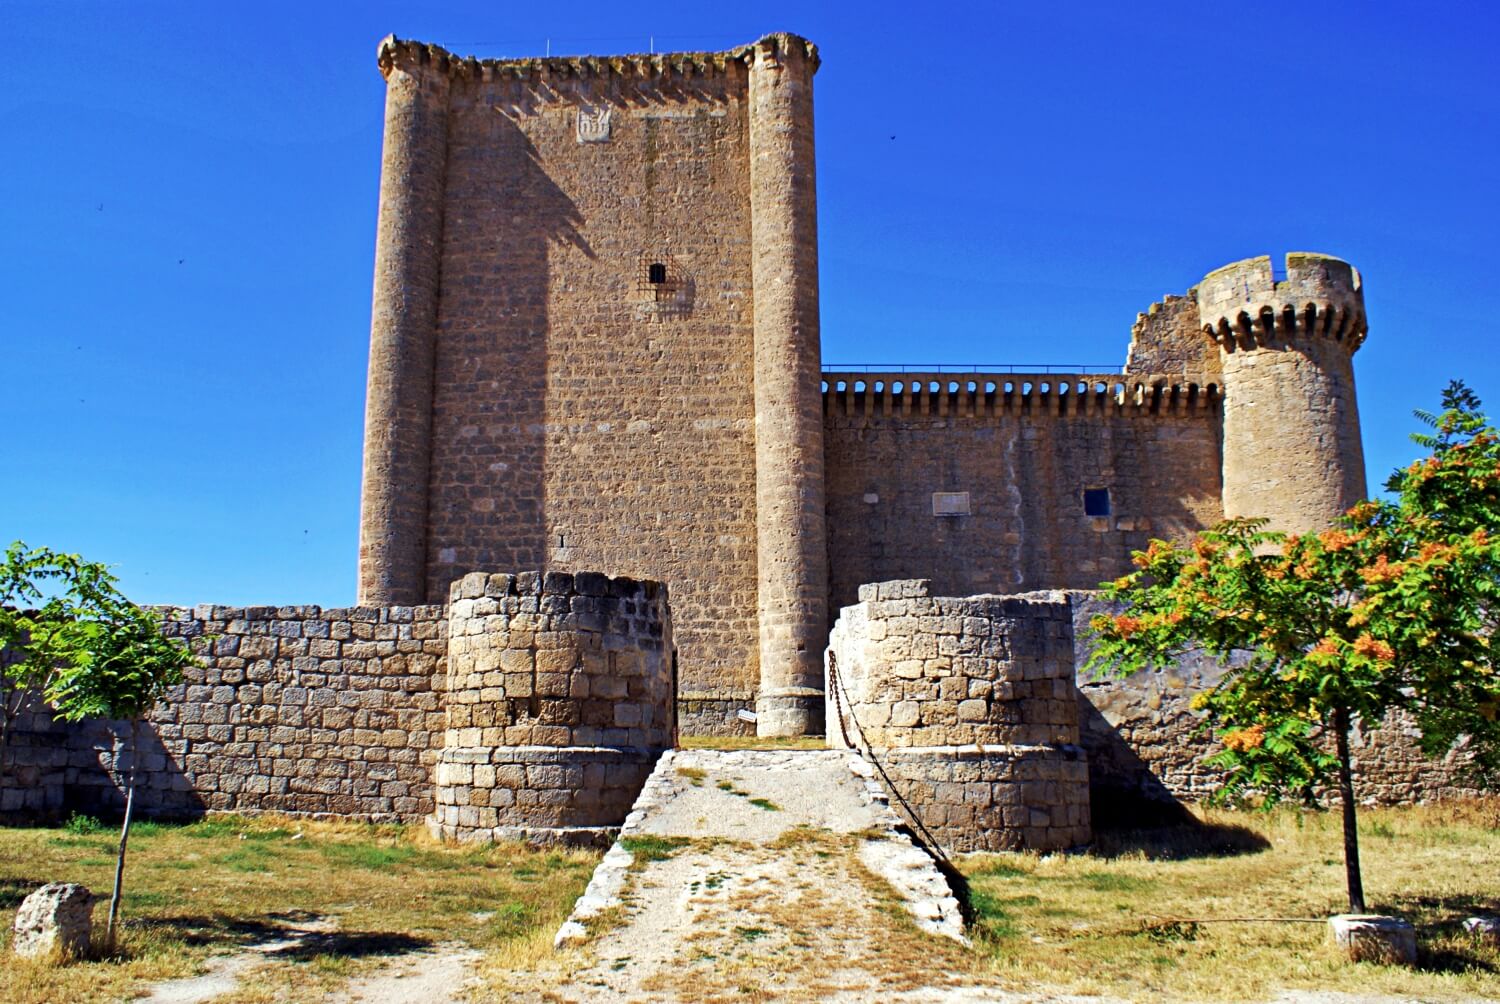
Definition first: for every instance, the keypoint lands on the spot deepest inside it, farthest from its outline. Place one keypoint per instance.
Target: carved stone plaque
(593, 124)
(950, 503)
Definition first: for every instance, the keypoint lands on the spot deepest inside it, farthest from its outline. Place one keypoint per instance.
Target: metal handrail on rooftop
(1040, 368)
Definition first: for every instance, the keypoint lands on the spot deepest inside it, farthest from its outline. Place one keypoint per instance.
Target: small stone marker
(58, 916)
(1371, 937)
(1486, 929)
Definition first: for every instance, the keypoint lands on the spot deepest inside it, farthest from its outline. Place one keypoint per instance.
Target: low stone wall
(32, 785)
(560, 698)
(711, 714)
(974, 798)
(969, 704)
(298, 710)
(1145, 751)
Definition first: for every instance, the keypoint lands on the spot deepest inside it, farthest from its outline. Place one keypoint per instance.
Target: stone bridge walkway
(780, 875)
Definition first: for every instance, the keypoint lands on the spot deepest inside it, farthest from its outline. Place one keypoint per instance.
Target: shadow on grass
(1179, 841)
(1443, 946)
(13, 890)
(296, 935)
(351, 945)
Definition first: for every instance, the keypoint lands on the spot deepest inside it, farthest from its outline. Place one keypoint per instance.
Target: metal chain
(836, 685)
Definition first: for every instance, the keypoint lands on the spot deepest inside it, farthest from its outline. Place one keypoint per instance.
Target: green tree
(43, 595)
(1392, 608)
(124, 668)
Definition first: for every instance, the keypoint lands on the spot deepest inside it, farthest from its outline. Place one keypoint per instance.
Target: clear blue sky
(189, 193)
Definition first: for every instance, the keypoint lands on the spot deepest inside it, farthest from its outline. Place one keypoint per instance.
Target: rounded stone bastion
(970, 707)
(560, 701)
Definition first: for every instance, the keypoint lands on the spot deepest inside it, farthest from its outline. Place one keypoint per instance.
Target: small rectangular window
(1096, 501)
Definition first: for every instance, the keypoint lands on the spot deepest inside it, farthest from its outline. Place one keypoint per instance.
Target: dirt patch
(436, 977)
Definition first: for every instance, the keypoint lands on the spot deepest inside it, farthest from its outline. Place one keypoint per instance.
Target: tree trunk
(114, 900)
(10, 710)
(1346, 798)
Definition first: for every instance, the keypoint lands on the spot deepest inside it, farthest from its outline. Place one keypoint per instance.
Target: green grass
(652, 848)
(1159, 914)
(224, 882)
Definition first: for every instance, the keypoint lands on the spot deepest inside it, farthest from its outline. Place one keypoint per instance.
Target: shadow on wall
(503, 216)
(1123, 791)
(1133, 810)
(59, 769)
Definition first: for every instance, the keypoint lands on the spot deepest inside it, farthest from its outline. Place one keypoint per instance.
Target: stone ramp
(776, 870)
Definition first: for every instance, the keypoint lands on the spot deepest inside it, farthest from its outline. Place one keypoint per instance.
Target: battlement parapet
(1244, 306)
(417, 56)
(975, 395)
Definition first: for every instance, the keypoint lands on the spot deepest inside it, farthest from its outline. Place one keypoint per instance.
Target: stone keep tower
(595, 345)
(1292, 449)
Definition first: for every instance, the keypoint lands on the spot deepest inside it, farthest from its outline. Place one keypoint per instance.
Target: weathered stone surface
(1374, 938)
(554, 715)
(58, 917)
(1292, 449)
(1023, 447)
(970, 706)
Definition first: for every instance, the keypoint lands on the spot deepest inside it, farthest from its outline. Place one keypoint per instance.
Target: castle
(610, 497)
(595, 345)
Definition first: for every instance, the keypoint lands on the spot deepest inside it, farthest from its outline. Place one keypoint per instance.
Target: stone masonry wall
(969, 703)
(1168, 338)
(920, 670)
(1145, 751)
(901, 447)
(560, 699)
(583, 416)
(298, 710)
(1292, 449)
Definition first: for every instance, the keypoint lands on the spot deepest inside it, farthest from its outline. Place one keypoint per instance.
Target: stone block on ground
(58, 917)
(1371, 937)
(1486, 929)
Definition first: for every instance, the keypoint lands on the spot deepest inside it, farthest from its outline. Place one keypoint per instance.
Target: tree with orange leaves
(1393, 608)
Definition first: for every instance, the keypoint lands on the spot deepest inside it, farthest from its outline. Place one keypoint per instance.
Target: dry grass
(829, 924)
(752, 743)
(225, 883)
(1137, 916)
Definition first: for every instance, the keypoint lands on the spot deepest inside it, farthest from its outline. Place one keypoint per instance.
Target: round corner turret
(1292, 449)
(1244, 304)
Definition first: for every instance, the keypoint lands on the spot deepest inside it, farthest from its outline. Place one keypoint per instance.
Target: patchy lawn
(1174, 913)
(752, 743)
(226, 882)
(1158, 913)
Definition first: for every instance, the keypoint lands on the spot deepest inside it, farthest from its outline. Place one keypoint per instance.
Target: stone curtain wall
(1023, 452)
(295, 709)
(970, 705)
(560, 699)
(37, 767)
(1145, 751)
